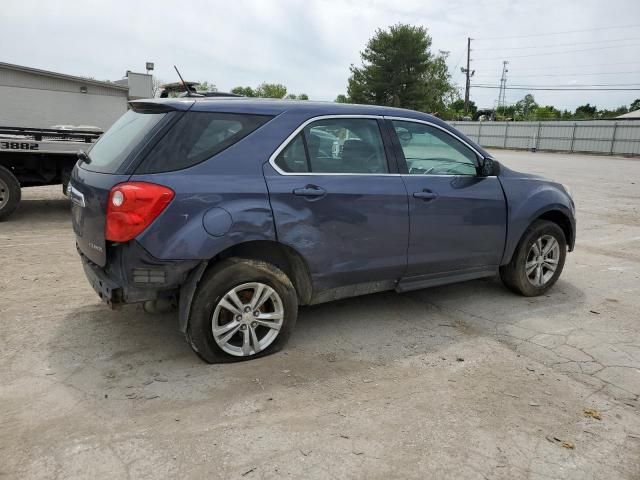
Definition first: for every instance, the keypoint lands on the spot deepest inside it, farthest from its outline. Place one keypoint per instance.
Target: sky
(308, 45)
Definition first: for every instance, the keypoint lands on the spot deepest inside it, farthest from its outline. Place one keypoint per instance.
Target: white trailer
(39, 145)
(38, 156)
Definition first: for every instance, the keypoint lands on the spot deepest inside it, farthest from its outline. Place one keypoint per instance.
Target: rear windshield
(198, 136)
(112, 149)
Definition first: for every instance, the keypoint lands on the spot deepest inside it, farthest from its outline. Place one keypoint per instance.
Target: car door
(457, 217)
(337, 201)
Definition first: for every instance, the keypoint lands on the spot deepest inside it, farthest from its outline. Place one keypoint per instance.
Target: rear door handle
(310, 191)
(425, 195)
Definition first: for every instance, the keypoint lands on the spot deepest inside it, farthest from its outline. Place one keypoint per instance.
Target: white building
(635, 115)
(41, 99)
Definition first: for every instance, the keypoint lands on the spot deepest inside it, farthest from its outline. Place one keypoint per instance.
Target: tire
(213, 307)
(9, 193)
(514, 274)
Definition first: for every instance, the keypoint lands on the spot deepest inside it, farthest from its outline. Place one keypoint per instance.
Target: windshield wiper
(83, 157)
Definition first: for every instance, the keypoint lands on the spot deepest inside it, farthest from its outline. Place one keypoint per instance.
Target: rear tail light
(132, 207)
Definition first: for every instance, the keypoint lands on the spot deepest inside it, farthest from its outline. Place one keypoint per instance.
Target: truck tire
(538, 260)
(9, 193)
(242, 309)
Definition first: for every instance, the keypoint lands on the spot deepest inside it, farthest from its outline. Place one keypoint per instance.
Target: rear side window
(113, 148)
(198, 136)
(337, 145)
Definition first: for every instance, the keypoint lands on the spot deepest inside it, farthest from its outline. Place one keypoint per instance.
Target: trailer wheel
(9, 193)
(65, 176)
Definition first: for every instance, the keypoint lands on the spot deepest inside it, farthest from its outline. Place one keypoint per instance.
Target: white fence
(603, 136)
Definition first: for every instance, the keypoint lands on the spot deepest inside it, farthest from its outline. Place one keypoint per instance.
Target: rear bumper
(132, 275)
(106, 288)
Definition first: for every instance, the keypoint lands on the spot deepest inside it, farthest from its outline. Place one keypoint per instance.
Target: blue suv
(242, 210)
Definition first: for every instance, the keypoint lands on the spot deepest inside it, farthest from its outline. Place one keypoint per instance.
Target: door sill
(443, 278)
(352, 291)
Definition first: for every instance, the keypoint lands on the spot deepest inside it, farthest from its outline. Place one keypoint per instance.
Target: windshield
(112, 149)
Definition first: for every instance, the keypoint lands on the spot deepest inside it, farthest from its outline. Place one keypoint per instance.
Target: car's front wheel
(538, 260)
(242, 309)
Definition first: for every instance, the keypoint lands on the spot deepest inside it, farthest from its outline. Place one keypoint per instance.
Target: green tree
(206, 87)
(398, 69)
(606, 113)
(506, 112)
(293, 96)
(267, 90)
(342, 98)
(457, 108)
(244, 91)
(271, 90)
(635, 105)
(548, 112)
(586, 111)
(525, 107)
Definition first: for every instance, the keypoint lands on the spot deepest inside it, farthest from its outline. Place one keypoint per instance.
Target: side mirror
(487, 167)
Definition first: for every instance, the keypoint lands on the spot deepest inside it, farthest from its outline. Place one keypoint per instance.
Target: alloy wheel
(247, 319)
(542, 260)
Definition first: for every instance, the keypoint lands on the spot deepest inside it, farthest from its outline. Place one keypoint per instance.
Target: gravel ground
(463, 381)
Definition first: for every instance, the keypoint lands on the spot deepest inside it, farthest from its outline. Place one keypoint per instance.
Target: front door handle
(425, 195)
(310, 191)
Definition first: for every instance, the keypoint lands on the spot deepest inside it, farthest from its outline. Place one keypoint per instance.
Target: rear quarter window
(117, 143)
(197, 136)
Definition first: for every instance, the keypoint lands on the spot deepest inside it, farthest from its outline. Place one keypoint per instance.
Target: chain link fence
(603, 136)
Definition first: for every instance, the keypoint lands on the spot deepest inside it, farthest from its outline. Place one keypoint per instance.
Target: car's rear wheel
(9, 193)
(242, 309)
(538, 260)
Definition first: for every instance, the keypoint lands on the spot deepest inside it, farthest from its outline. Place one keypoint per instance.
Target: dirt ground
(464, 381)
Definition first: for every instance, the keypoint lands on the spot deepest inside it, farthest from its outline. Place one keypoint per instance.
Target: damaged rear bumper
(108, 290)
(132, 275)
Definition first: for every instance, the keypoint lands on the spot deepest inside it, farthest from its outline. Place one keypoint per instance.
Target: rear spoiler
(160, 106)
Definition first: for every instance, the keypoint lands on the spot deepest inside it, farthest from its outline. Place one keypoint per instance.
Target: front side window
(336, 145)
(198, 136)
(293, 158)
(431, 151)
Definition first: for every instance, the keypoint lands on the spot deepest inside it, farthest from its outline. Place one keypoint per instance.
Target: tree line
(528, 109)
(264, 90)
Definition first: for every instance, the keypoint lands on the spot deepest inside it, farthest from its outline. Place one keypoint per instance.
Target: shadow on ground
(96, 349)
(39, 210)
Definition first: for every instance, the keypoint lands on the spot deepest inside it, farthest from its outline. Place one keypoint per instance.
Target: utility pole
(502, 94)
(469, 74)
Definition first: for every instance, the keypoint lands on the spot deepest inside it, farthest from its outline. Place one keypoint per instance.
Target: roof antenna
(182, 80)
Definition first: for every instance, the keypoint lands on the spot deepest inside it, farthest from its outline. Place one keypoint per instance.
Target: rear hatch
(106, 166)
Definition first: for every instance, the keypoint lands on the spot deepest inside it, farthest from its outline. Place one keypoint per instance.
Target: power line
(564, 74)
(578, 66)
(559, 33)
(557, 53)
(561, 89)
(579, 86)
(599, 42)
